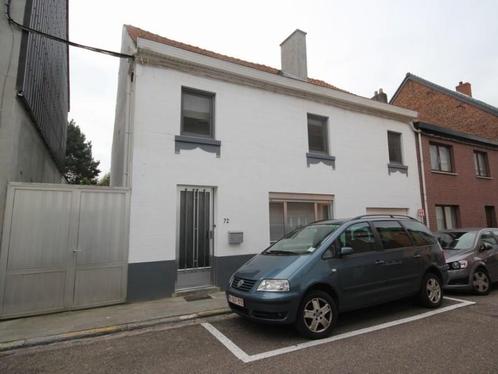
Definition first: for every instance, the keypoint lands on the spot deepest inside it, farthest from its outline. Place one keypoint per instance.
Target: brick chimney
(380, 96)
(293, 53)
(464, 88)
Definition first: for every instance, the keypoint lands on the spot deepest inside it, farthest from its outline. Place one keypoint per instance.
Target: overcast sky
(356, 45)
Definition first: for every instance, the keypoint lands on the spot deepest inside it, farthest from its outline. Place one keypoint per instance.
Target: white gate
(63, 247)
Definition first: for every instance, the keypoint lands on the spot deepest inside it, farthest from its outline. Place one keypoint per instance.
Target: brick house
(457, 151)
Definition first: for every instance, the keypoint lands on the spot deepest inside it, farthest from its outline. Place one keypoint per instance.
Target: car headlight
(457, 265)
(230, 281)
(274, 285)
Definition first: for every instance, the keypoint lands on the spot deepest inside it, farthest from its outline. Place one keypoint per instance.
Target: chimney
(464, 88)
(380, 96)
(293, 53)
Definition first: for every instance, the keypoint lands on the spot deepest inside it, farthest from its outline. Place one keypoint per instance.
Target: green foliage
(80, 167)
(105, 180)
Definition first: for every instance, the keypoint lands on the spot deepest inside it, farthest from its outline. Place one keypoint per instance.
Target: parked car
(472, 256)
(332, 266)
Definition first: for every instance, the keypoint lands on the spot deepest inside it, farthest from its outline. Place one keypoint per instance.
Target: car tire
(317, 315)
(431, 291)
(481, 284)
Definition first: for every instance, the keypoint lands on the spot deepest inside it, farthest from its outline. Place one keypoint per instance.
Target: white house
(224, 156)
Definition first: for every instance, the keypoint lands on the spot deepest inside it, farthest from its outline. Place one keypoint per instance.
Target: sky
(359, 46)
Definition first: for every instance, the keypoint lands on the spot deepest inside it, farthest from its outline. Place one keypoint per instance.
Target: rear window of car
(419, 233)
(392, 234)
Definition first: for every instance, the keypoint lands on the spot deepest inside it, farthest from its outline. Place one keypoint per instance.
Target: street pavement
(461, 339)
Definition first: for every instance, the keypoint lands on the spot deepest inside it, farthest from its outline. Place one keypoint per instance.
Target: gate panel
(37, 258)
(101, 262)
(63, 247)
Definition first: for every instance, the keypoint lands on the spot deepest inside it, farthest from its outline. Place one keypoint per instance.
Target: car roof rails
(385, 215)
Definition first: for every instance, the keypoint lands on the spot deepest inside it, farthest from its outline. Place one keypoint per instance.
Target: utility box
(235, 237)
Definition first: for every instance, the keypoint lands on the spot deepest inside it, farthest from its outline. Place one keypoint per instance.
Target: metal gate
(194, 237)
(63, 247)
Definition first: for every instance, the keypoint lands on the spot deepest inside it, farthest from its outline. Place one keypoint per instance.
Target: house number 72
(226, 220)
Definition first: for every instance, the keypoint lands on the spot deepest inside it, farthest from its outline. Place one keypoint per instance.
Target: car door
(402, 267)
(489, 256)
(359, 274)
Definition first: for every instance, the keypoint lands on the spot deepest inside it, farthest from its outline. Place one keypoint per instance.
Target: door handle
(418, 255)
(76, 250)
(380, 262)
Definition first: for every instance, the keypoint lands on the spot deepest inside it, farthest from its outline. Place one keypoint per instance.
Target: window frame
(325, 132)
(490, 212)
(401, 156)
(450, 151)
(196, 92)
(456, 210)
(317, 205)
(477, 165)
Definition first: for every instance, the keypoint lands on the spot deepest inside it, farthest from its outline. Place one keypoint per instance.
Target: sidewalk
(45, 329)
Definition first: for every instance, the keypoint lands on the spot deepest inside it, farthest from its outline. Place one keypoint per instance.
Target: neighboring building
(459, 144)
(34, 95)
(224, 156)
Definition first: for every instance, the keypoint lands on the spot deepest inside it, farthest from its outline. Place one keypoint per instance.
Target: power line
(61, 40)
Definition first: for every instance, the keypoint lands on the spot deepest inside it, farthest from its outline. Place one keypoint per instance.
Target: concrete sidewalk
(29, 331)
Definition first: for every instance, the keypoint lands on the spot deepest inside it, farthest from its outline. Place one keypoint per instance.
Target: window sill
(191, 142)
(399, 168)
(444, 172)
(483, 177)
(315, 158)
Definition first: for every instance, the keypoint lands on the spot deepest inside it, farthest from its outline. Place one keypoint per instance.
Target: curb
(44, 340)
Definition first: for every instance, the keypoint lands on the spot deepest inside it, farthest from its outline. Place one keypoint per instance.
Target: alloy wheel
(480, 281)
(433, 289)
(317, 315)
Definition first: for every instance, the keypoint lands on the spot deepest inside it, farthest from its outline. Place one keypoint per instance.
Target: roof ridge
(458, 95)
(136, 32)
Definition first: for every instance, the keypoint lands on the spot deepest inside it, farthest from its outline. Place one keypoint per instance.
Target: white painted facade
(264, 142)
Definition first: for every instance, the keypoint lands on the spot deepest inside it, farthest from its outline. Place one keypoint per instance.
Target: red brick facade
(447, 111)
(461, 188)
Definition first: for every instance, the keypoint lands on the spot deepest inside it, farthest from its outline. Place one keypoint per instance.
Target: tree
(105, 180)
(80, 167)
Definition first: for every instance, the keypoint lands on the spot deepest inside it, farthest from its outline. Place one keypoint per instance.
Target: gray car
(472, 256)
(312, 274)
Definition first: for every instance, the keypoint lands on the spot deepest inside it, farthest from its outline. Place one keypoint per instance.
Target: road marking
(244, 357)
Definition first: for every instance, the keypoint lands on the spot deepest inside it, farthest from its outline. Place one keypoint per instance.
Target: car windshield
(303, 240)
(457, 240)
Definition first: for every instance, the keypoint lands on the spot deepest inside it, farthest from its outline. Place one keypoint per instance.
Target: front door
(195, 233)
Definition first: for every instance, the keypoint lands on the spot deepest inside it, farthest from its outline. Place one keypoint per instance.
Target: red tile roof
(136, 33)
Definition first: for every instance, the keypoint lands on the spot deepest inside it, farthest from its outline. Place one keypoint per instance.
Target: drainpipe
(422, 171)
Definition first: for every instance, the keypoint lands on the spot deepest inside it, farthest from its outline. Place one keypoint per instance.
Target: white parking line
(244, 357)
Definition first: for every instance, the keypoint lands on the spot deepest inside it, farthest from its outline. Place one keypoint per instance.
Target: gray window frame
(400, 135)
(196, 92)
(450, 150)
(456, 211)
(477, 165)
(325, 133)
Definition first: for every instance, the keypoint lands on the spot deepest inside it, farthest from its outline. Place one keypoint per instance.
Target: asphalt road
(463, 340)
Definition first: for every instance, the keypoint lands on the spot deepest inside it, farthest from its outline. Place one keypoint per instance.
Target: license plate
(236, 300)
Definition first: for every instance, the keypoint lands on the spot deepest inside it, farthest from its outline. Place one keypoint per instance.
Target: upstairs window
(394, 144)
(441, 158)
(481, 164)
(317, 134)
(197, 113)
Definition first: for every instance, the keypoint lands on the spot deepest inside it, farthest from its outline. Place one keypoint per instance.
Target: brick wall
(463, 188)
(446, 111)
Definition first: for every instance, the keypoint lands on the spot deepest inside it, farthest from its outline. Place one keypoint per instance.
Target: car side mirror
(485, 246)
(346, 251)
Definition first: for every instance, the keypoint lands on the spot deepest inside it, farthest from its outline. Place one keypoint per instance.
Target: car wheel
(431, 292)
(481, 284)
(317, 315)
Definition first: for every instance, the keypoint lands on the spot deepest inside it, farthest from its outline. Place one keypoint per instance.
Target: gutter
(422, 172)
